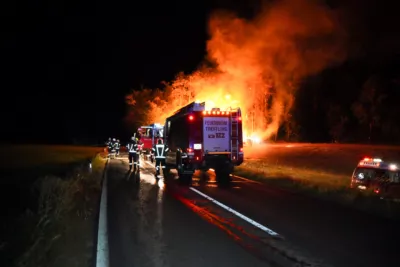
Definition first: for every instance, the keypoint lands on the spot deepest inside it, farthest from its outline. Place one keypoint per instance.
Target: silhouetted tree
(292, 129)
(369, 106)
(337, 120)
(138, 107)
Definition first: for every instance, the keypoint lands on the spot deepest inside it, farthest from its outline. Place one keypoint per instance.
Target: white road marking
(103, 252)
(247, 219)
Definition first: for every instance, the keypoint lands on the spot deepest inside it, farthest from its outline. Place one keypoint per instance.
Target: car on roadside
(378, 177)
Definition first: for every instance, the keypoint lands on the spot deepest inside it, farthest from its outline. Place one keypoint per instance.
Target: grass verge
(318, 184)
(62, 231)
(50, 197)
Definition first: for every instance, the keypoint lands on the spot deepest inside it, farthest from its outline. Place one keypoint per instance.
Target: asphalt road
(337, 235)
(155, 224)
(150, 225)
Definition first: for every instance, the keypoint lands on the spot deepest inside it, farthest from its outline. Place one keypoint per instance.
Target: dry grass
(52, 196)
(63, 227)
(321, 170)
(30, 156)
(326, 158)
(304, 175)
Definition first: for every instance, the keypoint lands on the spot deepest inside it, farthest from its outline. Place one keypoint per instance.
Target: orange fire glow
(259, 62)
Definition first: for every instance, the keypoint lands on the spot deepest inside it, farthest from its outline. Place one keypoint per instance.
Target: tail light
(241, 149)
(189, 150)
(191, 117)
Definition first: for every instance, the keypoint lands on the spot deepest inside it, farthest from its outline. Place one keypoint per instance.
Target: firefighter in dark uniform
(117, 147)
(110, 147)
(113, 145)
(132, 154)
(108, 143)
(159, 151)
(157, 138)
(139, 151)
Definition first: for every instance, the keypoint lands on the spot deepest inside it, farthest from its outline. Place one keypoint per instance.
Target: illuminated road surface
(335, 234)
(152, 224)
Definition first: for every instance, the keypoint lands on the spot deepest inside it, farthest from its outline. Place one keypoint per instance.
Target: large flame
(258, 63)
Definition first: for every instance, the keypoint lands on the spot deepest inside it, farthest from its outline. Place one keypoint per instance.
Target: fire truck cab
(148, 135)
(203, 140)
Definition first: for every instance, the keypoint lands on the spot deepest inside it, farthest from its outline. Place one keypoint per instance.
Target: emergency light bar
(377, 163)
(371, 162)
(372, 159)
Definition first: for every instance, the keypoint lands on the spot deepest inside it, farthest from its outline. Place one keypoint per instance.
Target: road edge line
(245, 218)
(102, 252)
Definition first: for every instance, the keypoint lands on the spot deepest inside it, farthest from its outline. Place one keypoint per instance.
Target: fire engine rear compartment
(203, 151)
(200, 140)
(216, 135)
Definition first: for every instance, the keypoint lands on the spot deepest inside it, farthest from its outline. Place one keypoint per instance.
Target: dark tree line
(351, 104)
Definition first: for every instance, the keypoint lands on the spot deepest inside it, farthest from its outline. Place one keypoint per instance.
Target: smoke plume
(258, 63)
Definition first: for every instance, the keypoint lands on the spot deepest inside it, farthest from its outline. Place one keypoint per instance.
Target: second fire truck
(148, 136)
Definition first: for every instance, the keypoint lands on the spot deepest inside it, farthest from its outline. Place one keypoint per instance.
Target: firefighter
(110, 146)
(139, 150)
(113, 144)
(132, 153)
(108, 141)
(117, 147)
(158, 138)
(159, 151)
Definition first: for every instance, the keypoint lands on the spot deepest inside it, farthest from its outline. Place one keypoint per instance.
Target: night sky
(67, 67)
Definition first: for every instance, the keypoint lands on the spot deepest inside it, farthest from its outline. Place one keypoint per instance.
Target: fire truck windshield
(149, 132)
(145, 132)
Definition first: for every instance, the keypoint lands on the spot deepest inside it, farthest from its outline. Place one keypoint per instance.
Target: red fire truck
(148, 136)
(203, 140)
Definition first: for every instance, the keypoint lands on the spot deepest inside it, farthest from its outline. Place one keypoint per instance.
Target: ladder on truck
(235, 114)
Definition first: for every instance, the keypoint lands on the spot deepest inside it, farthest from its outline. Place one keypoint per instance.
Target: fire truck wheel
(223, 177)
(204, 176)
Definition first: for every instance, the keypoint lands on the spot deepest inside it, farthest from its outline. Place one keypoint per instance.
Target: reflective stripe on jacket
(160, 151)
